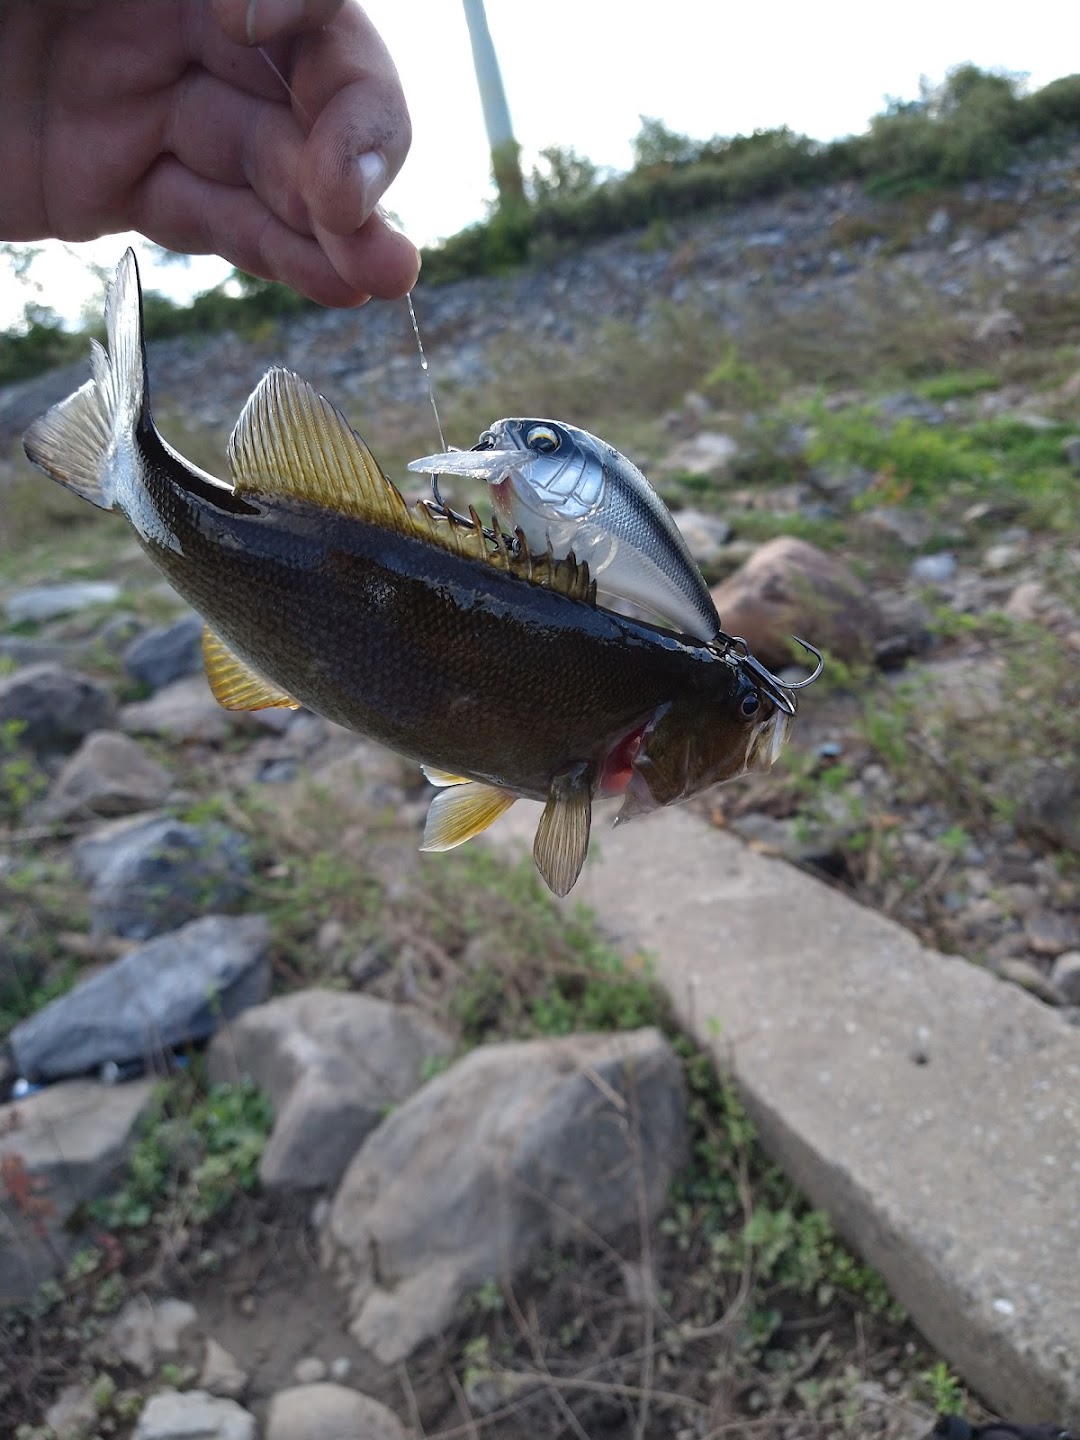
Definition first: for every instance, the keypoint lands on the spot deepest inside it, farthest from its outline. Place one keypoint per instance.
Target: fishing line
(408, 298)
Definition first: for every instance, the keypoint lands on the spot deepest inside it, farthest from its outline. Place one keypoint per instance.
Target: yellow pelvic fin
(289, 441)
(460, 811)
(442, 777)
(562, 837)
(235, 685)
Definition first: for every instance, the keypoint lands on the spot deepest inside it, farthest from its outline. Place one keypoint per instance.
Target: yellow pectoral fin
(235, 685)
(460, 811)
(562, 837)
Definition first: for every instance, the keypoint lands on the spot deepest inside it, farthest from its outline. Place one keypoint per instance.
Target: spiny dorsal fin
(562, 837)
(290, 441)
(460, 811)
(235, 685)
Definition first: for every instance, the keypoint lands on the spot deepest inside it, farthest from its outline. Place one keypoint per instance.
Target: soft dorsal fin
(289, 441)
(235, 685)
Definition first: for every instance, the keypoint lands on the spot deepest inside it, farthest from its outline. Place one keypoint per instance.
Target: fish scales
(446, 660)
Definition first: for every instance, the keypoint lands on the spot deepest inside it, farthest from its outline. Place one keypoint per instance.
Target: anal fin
(235, 685)
(461, 810)
(562, 837)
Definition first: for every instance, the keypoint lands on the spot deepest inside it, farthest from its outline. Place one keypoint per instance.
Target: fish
(489, 663)
(561, 485)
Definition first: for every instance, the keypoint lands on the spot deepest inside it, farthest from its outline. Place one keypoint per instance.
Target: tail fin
(76, 442)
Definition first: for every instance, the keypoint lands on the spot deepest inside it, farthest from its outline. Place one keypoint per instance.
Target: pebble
(1065, 975)
(1049, 933)
(309, 1370)
(193, 1415)
(1027, 975)
(49, 602)
(221, 1373)
(934, 569)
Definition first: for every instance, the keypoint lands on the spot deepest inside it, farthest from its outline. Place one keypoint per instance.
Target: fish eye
(749, 705)
(542, 439)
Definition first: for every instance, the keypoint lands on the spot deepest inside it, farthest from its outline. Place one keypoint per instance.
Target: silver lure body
(562, 486)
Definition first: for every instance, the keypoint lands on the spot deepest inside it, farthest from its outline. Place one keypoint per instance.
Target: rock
(146, 1329)
(221, 1374)
(331, 1064)
(330, 1412)
(1070, 450)
(1051, 808)
(309, 1370)
(1000, 326)
(73, 1414)
(150, 875)
(59, 1148)
(1050, 933)
(934, 569)
(905, 628)
(170, 992)
(1002, 556)
(1029, 977)
(706, 535)
(57, 707)
(910, 527)
(193, 1415)
(507, 1152)
(184, 711)
(48, 602)
(166, 653)
(1065, 976)
(108, 775)
(790, 587)
(1029, 601)
(707, 453)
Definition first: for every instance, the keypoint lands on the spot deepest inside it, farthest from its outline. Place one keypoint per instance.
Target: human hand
(163, 116)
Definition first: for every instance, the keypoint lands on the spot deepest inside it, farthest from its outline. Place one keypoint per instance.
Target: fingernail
(274, 17)
(373, 177)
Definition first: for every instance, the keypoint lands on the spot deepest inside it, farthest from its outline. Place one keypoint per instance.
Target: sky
(581, 73)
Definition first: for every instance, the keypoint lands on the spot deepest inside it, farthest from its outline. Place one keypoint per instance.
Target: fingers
(189, 213)
(376, 258)
(345, 78)
(252, 22)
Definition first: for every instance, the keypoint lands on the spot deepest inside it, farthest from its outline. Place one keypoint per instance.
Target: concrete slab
(930, 1108)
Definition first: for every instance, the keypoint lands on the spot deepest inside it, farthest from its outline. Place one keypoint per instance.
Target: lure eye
(749, 705)
(542, 439)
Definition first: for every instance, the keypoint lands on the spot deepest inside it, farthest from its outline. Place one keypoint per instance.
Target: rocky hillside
(864, 416)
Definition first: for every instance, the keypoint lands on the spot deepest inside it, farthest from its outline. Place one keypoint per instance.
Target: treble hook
(779, 691)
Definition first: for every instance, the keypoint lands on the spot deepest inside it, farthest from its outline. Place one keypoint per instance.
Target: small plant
(942, 1389)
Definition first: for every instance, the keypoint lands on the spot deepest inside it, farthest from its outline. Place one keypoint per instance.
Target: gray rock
(330, 1412)
(169, 992)
(146, 1329)
(1029, 977)
(108, 775)
(1051, 933)
(1070, 449)
(183, 711)
(1065, 976)
(997, 327)
(221, 1372)
(910, 527)
(707, 453)
(309, 1370)
(509, 1151)
(73, 1414)
(166, 653)
(331, 1064)
(48, 602)
(1051, 809)
(57, 707)
(193, 1415)
(934, 569)
(148, 876)
(68, 1142)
